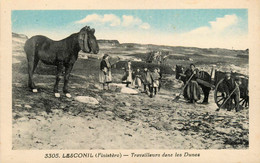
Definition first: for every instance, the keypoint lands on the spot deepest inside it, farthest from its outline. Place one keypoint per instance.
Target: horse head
(178, 70)
(87, 40)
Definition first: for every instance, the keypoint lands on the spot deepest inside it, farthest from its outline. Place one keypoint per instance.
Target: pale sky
(207, 28)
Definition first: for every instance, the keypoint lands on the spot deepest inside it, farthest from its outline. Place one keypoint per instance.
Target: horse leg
(29, 49)
(206, 95)
(32, 64)
(237, 98)
(36, 61)
(30, 73)
(58, 78)
(66, 79)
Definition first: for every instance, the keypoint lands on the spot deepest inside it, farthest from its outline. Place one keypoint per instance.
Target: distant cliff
(108, 42)
(22, 36)
(19, 38)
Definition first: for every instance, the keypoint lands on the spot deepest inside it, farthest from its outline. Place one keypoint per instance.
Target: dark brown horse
(63, 53)
(182, 75)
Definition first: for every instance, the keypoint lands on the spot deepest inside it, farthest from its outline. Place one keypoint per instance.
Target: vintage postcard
(139, 81)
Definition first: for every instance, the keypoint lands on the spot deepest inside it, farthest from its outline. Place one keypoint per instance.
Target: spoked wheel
(244, 102)
(220, 95)
(202, 95)
(244, 94)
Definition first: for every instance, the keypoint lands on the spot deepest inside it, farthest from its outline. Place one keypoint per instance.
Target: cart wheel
(220, 96)
(244, 94)
(244, 102)
(202, 96)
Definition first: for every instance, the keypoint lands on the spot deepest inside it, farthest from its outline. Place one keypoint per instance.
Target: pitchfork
(227, 98)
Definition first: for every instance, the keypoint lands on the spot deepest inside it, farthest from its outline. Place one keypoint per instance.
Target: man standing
(147, 80)
(231, 86)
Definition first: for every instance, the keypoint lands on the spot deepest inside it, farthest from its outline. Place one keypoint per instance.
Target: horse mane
(73, 35)
(68, 37)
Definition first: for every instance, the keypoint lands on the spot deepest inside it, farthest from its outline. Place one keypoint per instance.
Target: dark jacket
(147, 78)
(231, 85)
(104, 64)
(189, 72)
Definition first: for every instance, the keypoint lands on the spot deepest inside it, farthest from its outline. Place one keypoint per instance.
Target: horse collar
(82, 39)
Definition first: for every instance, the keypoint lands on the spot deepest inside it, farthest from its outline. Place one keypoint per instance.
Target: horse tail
(29, 48)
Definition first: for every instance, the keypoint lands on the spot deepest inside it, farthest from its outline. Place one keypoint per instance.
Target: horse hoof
(34, 90)
(57, 95)
(68, 95)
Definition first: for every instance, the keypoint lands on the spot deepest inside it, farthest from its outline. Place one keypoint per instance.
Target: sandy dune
(119, 120)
